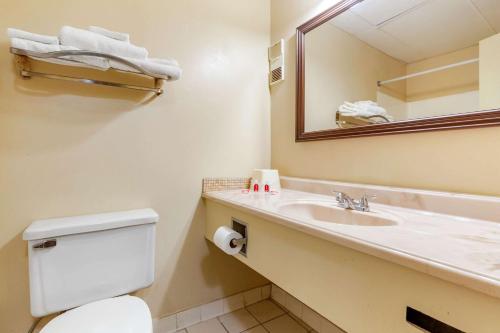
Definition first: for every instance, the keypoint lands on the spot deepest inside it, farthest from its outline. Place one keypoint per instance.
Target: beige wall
(341, 67)
(452, 91)
(489, 67)
(461, 160)
(68, 149)
(452, 81)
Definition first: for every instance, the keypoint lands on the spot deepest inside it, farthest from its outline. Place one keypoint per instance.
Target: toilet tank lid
(87, 223)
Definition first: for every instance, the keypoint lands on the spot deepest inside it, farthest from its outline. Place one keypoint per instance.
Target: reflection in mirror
(387, 61)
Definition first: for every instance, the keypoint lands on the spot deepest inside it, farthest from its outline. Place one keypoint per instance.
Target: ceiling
(412, 30)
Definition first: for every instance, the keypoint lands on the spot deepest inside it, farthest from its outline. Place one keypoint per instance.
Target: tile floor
(262, 317)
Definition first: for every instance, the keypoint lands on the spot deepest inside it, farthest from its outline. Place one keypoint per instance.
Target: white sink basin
(326, 211)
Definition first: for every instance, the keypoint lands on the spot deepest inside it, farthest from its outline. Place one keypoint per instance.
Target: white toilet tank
(77, 260)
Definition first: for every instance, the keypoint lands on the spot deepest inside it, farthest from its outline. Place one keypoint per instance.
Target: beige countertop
(462, 250)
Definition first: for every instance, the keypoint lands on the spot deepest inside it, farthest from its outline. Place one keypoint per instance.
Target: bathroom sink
(326, 211)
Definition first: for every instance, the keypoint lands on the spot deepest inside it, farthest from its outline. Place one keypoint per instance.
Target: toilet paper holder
(242, 228)
(237, 242)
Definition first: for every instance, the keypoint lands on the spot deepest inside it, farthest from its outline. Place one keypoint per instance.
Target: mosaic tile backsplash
(225, 183)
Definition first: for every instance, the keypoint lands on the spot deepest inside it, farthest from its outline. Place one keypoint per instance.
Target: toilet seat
(124, 314)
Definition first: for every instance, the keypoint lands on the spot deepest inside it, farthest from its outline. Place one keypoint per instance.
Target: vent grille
(276, 75)
(276, 63)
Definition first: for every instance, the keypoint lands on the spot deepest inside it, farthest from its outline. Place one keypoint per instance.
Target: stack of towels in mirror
(99, 40)
(363, 109)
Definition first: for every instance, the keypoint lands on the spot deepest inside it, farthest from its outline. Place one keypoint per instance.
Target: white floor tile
(212, 310)
(258, 329)
(311, 318)
(266, 291)
(238, 321)
(188, 317)
(208, 326)
(252, 296)
(284, 324)
(232, 303)
(278, 294)
(328, 327)
(294, 305)
(265, 311)
(166, 324)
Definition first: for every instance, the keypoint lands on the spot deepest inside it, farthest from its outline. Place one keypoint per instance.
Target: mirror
(382, 66)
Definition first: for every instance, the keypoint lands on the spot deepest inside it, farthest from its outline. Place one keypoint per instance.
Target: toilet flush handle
(46, 244)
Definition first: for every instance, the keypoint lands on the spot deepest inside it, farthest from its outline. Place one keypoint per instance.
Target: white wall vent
(277, 62)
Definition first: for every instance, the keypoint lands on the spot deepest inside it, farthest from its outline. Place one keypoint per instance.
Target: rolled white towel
(363, 109)
(124, 37)
(367, 107)
(16, 33)
(171, 62)
(29, 45)
(172, 71)
(91, 41)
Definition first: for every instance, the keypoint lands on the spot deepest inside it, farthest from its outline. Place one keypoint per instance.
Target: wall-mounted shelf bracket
(24, 67)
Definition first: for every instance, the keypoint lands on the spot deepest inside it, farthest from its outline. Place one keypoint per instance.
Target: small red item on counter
(266, 188)
(256, 187)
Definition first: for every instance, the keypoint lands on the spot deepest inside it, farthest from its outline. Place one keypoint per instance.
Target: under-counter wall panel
(358, 292)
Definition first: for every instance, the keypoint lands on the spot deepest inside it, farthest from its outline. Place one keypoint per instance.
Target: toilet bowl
(112, 315)
(84, 265)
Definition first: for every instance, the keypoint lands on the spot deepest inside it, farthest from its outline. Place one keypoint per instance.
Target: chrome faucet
(345, 201)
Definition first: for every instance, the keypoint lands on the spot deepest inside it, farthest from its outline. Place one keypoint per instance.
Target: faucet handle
(364, 205)
(368, 196)
(339, 196)
(365, 197)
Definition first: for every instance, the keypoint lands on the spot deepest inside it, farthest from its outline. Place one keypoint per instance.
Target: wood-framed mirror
(378, 67)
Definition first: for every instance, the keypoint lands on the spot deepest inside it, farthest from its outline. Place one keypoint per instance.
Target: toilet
(86, 266)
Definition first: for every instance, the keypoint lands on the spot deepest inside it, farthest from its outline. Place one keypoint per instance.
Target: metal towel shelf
(60, 55)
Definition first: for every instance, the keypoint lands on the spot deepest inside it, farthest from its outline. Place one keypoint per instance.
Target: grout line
(251, 314)
(281, 315)
(221, 323)
(286, 312)
(258, 322)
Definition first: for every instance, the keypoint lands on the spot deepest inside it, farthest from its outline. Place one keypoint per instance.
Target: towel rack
(428, 71)
(344, 121)
(59, 55)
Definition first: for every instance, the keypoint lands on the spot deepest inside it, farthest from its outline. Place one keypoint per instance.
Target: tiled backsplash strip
(227, 183)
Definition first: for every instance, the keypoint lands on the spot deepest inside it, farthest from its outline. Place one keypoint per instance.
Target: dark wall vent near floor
(427, 323)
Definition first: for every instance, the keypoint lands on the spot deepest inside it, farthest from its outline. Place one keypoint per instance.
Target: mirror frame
(448, 122)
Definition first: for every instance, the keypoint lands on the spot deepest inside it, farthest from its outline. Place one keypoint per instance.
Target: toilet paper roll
(223, 237)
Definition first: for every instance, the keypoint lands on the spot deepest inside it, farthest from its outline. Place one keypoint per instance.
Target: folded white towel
(30, 45)
(365, 106)
(16, 33)
(171, 62)
(23, 44)
(88, 40)
(363, 109)
(124, 37)
(172, 71)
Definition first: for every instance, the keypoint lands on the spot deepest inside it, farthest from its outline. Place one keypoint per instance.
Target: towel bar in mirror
(61, 56)
(376, 67)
